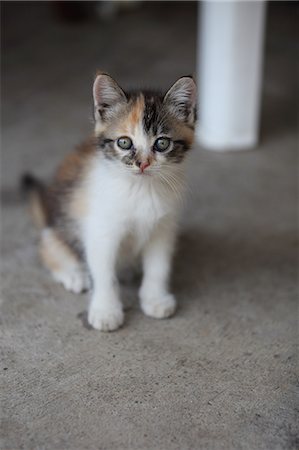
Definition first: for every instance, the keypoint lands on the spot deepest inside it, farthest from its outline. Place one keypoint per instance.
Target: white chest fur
(125, 204)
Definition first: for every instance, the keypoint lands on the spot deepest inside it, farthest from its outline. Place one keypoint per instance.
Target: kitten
(117, 197)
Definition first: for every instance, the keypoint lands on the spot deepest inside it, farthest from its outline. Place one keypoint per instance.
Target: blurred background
(221, 374)
(51, 51)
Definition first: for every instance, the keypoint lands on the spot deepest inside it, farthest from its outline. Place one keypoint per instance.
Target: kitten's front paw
(105, 318)
(159, 307)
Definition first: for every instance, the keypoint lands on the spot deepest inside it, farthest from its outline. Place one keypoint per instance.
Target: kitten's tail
(36, 192)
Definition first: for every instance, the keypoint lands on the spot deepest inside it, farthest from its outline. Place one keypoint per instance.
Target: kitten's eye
(162, 144)
(125, 143)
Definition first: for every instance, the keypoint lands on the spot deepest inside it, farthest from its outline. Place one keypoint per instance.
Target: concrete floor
(221, 373)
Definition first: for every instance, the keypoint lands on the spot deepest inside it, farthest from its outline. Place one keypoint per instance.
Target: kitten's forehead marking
(137, 111)
(135, 126)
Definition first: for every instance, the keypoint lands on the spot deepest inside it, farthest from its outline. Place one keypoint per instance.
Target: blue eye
(125, 143)
(162, 144)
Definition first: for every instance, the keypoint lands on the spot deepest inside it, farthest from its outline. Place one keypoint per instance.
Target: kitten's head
(146, 132)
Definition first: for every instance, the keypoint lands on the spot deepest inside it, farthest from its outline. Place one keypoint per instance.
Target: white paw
(107, 318)
(74, 279)
(159, 308)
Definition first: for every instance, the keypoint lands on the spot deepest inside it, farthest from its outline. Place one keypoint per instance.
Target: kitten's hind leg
(63, 263)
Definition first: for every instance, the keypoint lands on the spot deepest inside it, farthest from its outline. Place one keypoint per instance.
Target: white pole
(231, 36)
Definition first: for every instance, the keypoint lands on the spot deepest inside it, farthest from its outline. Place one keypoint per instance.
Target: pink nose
(144, 165)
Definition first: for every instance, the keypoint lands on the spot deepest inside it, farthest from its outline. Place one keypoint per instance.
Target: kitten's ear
(181, 100)
(107, 96)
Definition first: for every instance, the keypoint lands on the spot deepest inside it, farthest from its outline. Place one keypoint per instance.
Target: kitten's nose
(143, 165)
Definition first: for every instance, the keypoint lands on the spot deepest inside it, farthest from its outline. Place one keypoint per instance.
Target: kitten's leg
(155, 299)
(63, 263)
(105, 310)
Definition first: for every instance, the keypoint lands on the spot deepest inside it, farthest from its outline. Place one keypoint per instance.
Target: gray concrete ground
(221, 373)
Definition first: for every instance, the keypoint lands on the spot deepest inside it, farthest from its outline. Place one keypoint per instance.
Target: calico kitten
(117, 197)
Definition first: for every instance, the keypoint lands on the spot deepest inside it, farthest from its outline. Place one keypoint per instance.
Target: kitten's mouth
(148, 174)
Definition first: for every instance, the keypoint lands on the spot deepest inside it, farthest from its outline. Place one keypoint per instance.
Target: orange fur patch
(78, 206)
(73, 164)
(135, 115)
(183, 132)
(54, 253)
(37, 210)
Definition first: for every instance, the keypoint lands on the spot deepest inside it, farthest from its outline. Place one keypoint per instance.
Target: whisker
(172, 185)
(171, 177)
